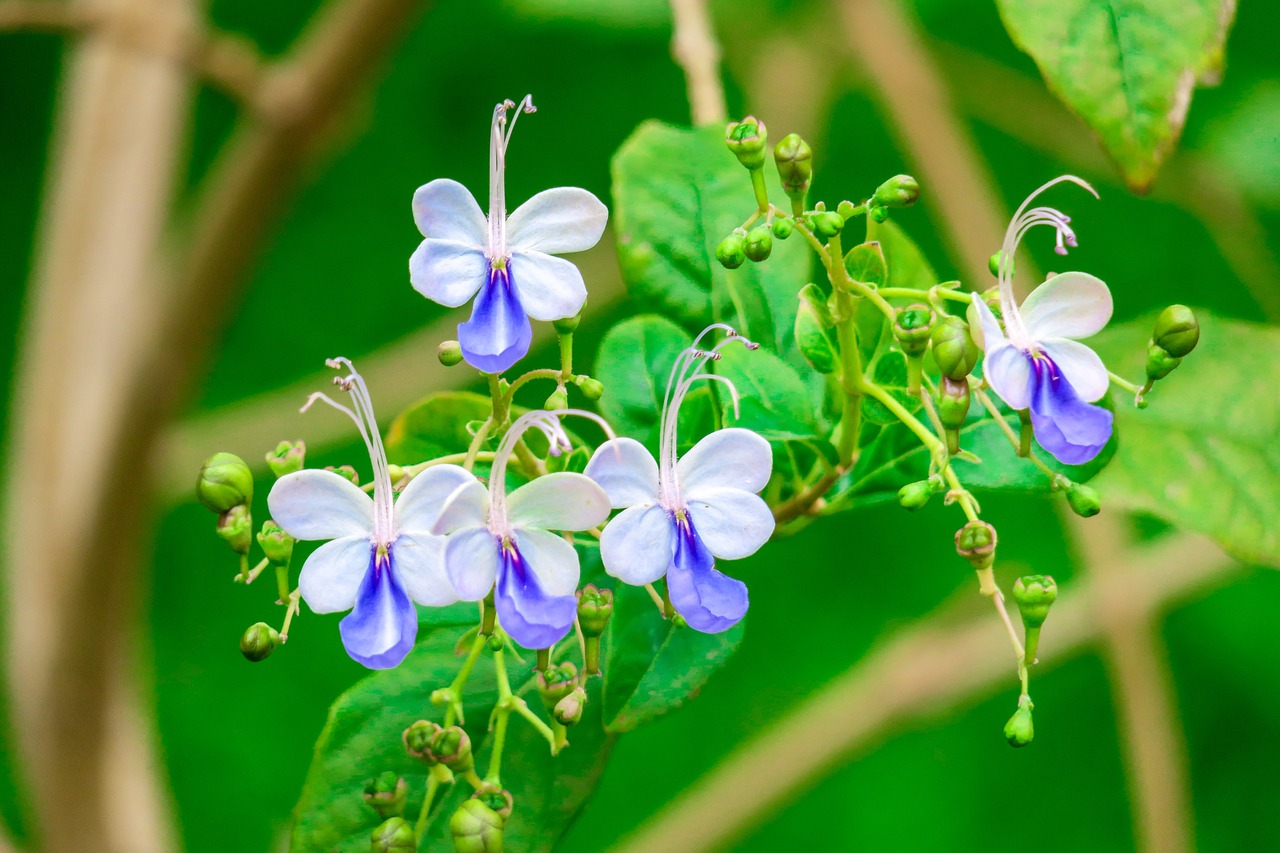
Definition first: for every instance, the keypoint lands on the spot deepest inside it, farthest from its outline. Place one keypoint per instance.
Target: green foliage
(1127, 67)
(634, 362)
(436, 426)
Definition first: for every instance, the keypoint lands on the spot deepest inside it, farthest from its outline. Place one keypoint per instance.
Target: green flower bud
(395, 835)
(558, 400)
(1177, 331)
(556, 682)
(592, 389)
(476, 828)
(953, 408)
(417, 740)
(898, 191)
(1019, 731)
(496, 642)
(915, 495)
(731, 253)
(225, 481)
(783, 226)
(976, 542)
(747, 140)
(826, 224)
(568, 325)
(878, 214)
(259, 641)
(386, 793)
(568, 711)
(345, 471)
(993, 264)
(595, 606)
(954, 350)
(1083, 500)
(1159, 362)
(287, 457)
(452, 748)
(1034, 594)
(235, 526)
(759, 243)
(275, 543)
(794, 159)
(449, 353)
(498, 799)
(912, 327)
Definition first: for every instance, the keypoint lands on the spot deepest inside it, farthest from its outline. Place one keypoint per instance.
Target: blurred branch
(695, 48)
(1138, 670)
(923, 671)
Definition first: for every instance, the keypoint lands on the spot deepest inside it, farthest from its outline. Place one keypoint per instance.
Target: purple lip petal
(708, 600)
(534, 619)
(381, 628)
(1072, 430)
(498, 333)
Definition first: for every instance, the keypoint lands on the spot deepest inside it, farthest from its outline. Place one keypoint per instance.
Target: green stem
(540, 373)
(1025, 434)
(489, 616)
(454, 712)
(435, 779)
(566, 358)
(282, 582)
(248, 577)
(503, 712)
(927, 295)
(291, 610)
(1131, 387)
(761, 191)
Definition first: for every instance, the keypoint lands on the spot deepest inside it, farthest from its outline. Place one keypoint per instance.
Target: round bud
(1034, 594)
(449, 353)
(794, 159)
(1083, 500)
(259, 641)
(345, 471)
(915, 495)
(592, 389)
(954, 350)
(498, 799)
(783, 226)
(595, 606)
(235, 526)
(496, 642)
(225, 481)
(275, 543)
(476, 828)
(386, 793)
(898, 191)
(558, 400)
(568, 325)
(731, 253)
(395, 835)
(568, 711)
(953, 402)
(1177, 331)
(556, 682)
(826, 224)
(976, 542)
(747, 140)
(759, 243)
(1019, 731)
(452, 748)
(878, 214)
(912, 327)
(993, 264)
(287, 457)
(845, 209)
(417, 740)
(1159, 362)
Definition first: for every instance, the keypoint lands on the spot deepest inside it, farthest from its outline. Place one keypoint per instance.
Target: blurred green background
(237, 738)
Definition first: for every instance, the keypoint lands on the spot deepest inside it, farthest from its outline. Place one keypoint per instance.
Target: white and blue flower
(508, 260)
(382, 556)
(504, 544)
(680, 514)
(1035, 362)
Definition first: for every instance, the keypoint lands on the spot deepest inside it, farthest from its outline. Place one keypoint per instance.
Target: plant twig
(696, 50)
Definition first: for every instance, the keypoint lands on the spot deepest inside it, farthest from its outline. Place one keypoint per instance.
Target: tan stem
(695, 48)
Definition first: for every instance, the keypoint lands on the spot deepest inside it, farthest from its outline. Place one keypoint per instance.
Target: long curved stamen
(499, 138)
(363, 417)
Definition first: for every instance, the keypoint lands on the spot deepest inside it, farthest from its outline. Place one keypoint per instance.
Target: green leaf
(435, 427)
(677, 194)
(1204, 454)
(906, 264)
(866, 263)
(772, 398)
(634, 363)
(1127, 67)
(889, 372)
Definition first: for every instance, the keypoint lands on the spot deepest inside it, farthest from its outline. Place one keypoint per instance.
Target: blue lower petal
(381, 628)
(1072, 430)
(708, 600)
(498, 333)
(534, 619)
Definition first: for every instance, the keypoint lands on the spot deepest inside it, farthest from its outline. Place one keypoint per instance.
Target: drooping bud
(449, 353)
(558, 400)
(476, 828)
(345, 471)
(556, 682)
(826, 224)
(794, 159)
(417, 740)
(915, 495)
(386, 794)
(258, 641)
(1034, 594)
(954, 350)
(287, 457)
(731, 253)
(395, 835)
(225, 481)
(976, 542)
(912, 326)
(1083, 500)
(759, 243)
(452, 748)
(1159, 362)
(1177, 331)
(1019, 731)
(568, 711)
(235, 526)
(747, 140)
(568, 325)
(592, 389)
(953, 408)
(275, 543)
(898, 191)
(783, 226)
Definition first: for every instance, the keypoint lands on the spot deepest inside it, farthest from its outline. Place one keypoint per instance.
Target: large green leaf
(435, 427)
(1204, 454)
(1127, 67)
(634, 363)
(678, 193)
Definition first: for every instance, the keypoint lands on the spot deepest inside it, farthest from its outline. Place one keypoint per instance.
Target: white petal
(419, 561)
(1081, 366)
(446, 210)
(637, 546)
(562, 501)
(732, 523)
(467, 506)
(331, 576)
(316, 504)
(447, 272)
(1008, 372)
(626, 470)
(551, 558)
(564, 219)
(727, 458)
(419, 505)
(471, 562)
(1070, 305)
(549, 288)
(984, 328)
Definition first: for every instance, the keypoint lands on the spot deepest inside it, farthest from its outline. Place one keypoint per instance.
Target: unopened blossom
(1035, 362)
(508, 260)
(382, 556)
(681, 513)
